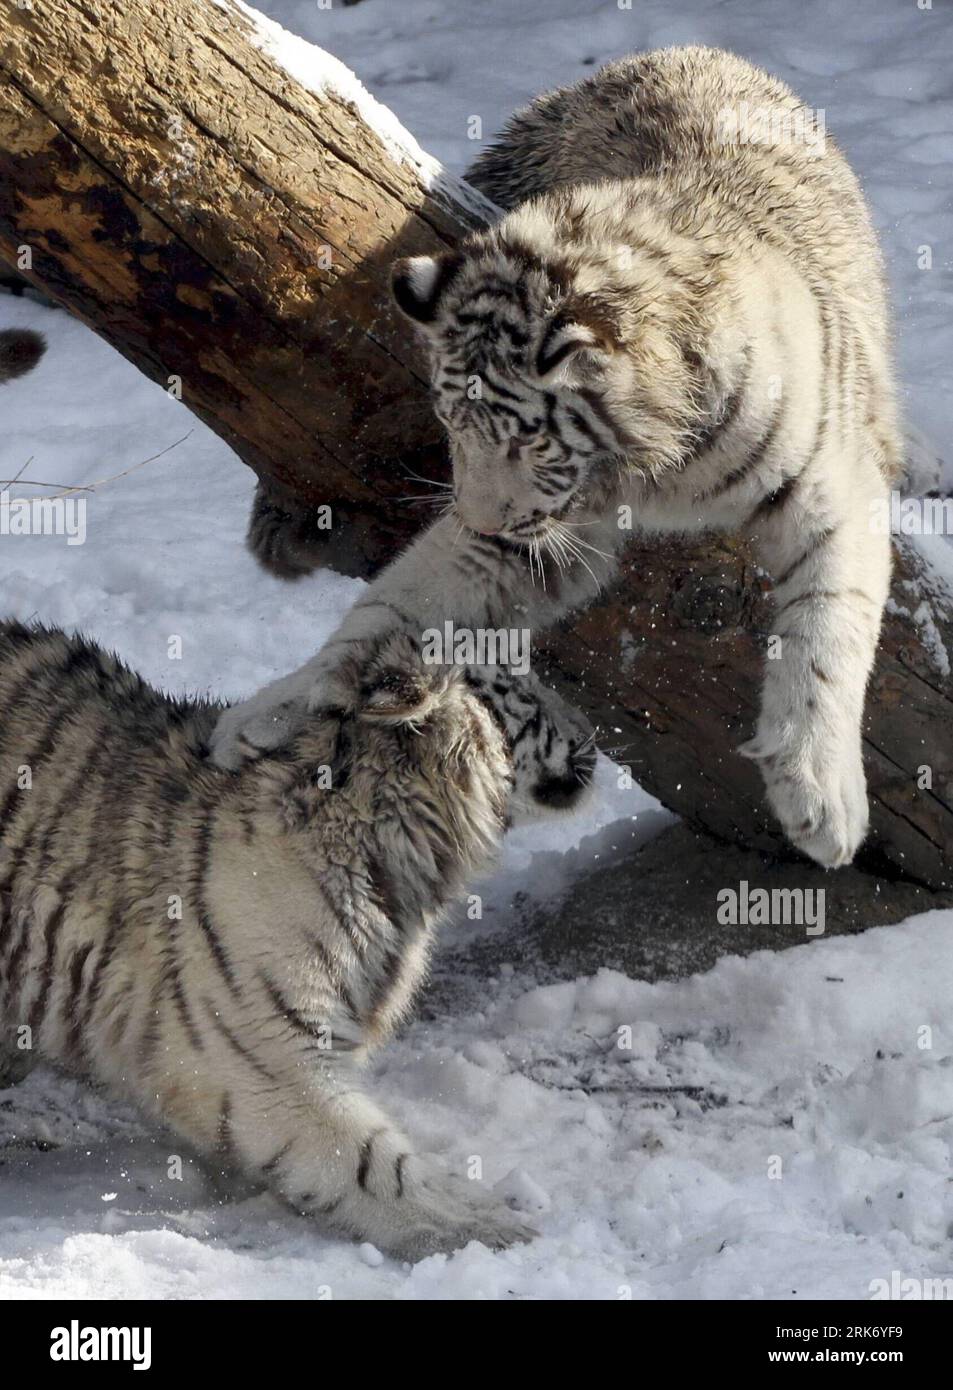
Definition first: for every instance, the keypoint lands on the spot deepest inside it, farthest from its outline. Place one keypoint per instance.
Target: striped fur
(225, 949)
(678, 324)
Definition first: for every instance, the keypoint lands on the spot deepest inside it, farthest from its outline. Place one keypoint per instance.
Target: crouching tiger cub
(224, 949)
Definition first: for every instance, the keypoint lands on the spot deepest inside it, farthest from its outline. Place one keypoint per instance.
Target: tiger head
(549, 745)
(554, 370)
(511, 731)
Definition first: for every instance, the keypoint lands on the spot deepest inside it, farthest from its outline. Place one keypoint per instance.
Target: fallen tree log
(230, 231)
(230, 228)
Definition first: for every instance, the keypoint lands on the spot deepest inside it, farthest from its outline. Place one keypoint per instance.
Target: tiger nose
(482, 517)
(482, 528)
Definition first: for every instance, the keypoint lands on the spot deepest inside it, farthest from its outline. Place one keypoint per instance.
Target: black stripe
(181, 1004)
(499, 409)
(272, 1163)
(364, 1162)
(224, 1142)
(811, 596)
(754, 460)
(391, 966)
(816, 544)
(6, 919)
(47, 969)
(70, 1010)
(405, 618)
(118, 1026)
(502, 289)
(582, 425)
(17, 956)
(41, 673)
(662, 258)
(548, 357)
(56, 680)
(776, 501)
(106, 951)
(501, 390)
(345, 920)
(66, 802)
(715, 431)
(219, 1023)
(32, 761)
(493, 319)
(200, 868)
(385, 893)
(618, 434)
(334, 972)
(826, 319)
(532, 725)
(287, 1011)
(563, 472)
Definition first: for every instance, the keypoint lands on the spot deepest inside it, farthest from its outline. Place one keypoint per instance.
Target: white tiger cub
(683, 318)
(224, 950)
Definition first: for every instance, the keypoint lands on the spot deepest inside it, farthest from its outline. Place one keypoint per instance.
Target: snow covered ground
(780, 1127)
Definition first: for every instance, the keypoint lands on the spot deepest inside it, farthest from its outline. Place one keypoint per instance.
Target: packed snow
(777, 1128)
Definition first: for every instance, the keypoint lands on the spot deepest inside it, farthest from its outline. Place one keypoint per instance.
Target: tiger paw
(818, 795)
(443, 1214)
(257, 726)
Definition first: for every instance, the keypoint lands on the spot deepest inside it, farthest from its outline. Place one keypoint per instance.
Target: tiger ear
(398, 687)
(570, 351)
(395, 697)
(418, 284)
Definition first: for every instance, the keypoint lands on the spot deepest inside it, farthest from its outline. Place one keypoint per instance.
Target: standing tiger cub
(224, 950)
(680, 325)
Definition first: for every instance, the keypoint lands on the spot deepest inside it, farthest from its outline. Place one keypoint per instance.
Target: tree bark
(222, 224)
(230, 232)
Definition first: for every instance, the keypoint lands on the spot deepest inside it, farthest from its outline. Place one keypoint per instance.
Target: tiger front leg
(333, 1155)
(447, 574)
(349, 1167)
(831, 572)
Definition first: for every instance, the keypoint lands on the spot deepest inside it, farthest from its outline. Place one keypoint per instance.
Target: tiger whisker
(603, 554)
(431, 482)
(556, 549)
(539, 561)
(424, 498)
(572, 544)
